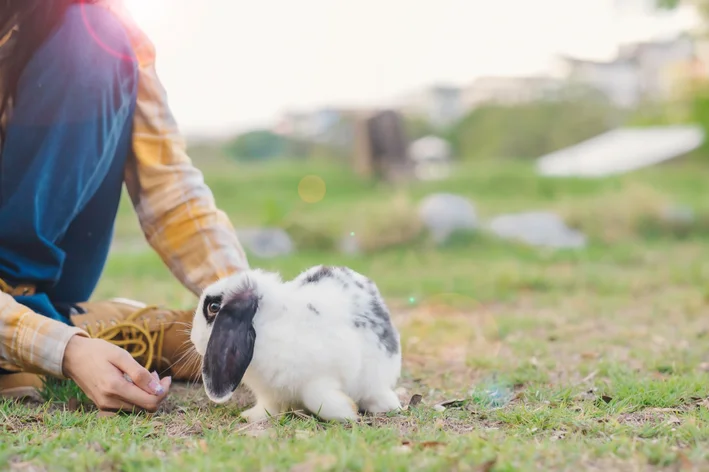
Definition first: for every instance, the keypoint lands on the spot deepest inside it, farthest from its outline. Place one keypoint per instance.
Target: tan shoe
(159, 339)
(21, 386)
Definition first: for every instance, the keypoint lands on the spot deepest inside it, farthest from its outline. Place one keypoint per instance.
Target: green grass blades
(515, 358)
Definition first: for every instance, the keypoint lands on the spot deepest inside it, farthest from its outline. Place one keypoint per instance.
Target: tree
(701, 6)
(529, 130)
(256, 145)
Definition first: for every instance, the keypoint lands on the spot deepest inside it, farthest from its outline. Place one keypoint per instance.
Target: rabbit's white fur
(324, 343)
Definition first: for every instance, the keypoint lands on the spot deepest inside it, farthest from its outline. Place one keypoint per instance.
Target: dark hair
(36, 19)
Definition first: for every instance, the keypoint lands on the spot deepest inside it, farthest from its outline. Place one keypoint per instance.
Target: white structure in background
(325, 125)
(621, 150)
(309, 125)
(618, 79)
(509, 90)
(639, 71)
(655, 61)
(440, 105)
(432, 158)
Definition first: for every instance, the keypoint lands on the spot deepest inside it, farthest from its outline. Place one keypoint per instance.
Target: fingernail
(156, 387)
(156, 376)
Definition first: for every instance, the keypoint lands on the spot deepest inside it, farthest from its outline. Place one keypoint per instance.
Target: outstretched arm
(175, 207)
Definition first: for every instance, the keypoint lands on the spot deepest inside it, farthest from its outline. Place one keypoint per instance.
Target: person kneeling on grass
(82, 113)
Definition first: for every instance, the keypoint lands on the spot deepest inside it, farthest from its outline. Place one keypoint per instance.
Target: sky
(230, 65)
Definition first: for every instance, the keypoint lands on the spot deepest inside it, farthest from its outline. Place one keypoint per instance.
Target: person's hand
(98, 368)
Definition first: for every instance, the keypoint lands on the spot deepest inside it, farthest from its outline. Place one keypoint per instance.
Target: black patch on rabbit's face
(231, 345)
(375, 317)
(208, 300)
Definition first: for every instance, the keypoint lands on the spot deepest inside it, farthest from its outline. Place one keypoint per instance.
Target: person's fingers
(136, 396)
(106, 402)
(138, 375)
(117, 389)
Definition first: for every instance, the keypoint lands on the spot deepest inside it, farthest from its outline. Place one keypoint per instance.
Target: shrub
(256, 145)
(533, 129)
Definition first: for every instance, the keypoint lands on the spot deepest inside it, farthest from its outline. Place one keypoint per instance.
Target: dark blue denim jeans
(62, 164)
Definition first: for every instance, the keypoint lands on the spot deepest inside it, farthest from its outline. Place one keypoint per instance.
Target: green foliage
(256, 145)
(700, 114)
(701, 6)
(533, 129)
(62, 391)
(417, 127)
(661, 114)
(668, 4)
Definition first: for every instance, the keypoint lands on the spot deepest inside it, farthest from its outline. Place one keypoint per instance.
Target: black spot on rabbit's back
(321, 273)
(313, 309)
(375, 317)
(342, 275)
(379, 311)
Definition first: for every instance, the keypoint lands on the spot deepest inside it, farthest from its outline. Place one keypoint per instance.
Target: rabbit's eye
(213, 308)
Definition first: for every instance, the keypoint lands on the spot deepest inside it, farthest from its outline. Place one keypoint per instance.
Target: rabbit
(323, 342)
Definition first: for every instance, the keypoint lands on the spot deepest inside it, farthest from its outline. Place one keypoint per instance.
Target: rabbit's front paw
(259, 412)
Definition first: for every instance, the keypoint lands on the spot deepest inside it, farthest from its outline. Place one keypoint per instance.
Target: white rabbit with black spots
(323, 342)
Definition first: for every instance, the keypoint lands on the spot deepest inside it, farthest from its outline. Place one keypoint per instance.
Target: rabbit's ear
(230, 347)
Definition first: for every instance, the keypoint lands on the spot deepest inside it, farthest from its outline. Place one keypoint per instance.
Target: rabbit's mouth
(230, 348)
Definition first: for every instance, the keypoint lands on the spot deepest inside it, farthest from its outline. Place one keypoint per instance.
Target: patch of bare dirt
(17, 465)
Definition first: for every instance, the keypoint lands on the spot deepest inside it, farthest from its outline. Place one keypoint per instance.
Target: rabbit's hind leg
(325, 399)
(381, 402)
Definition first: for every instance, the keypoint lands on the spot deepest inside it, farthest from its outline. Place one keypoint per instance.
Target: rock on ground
(537, 228)
(266, 242)
(443, 214)
(349, 245)
(679, 214)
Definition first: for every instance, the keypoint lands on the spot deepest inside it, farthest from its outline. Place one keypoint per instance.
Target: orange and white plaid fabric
(175, 208)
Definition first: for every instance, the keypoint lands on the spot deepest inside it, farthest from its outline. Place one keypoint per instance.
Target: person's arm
(175, 208)
(31, 342)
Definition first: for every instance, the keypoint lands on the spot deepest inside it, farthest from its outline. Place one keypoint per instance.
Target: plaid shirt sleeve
(175, 208)
(30, 342)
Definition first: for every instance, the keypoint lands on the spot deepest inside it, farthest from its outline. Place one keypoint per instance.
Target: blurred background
(488, 150)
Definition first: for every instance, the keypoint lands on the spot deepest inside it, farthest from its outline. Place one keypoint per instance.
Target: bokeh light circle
(311, 189)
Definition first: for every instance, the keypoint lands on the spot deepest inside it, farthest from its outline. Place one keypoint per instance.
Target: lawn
(514, 358)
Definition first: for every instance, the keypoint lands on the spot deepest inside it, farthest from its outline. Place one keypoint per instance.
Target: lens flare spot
(311, 189)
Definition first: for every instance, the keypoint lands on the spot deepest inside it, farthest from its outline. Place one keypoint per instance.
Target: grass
(594, 359)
